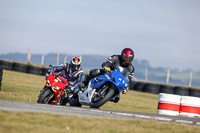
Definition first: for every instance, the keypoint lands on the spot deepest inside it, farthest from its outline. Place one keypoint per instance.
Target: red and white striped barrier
(169, 104)
(190, 106)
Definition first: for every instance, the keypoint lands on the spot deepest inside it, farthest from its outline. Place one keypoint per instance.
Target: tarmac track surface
(80, 111)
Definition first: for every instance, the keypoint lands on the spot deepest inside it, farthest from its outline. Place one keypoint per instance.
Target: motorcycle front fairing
(57, 86)
(118, 80)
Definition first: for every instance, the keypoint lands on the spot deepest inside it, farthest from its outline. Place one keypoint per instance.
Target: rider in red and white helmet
(124, 60)
(75, 64)
(73, 72)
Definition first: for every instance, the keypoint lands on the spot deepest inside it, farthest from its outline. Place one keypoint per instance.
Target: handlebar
(56, 76)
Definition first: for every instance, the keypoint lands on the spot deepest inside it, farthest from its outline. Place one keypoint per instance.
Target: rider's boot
(116, 99)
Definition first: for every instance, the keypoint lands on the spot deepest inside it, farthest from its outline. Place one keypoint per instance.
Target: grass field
(23, 87)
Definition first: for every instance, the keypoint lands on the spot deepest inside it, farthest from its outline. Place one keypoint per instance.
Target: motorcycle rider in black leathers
(124, 60)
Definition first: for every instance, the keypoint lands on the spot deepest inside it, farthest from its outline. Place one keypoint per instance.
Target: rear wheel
(104, 98)
(45, 97)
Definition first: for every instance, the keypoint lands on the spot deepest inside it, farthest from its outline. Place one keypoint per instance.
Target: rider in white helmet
(73, 72)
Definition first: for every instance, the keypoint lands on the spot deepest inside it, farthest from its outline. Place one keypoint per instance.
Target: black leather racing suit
(115, 61)
(112, 63)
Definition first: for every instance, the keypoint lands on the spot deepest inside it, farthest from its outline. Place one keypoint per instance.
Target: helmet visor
(75, 67)
(127, 59)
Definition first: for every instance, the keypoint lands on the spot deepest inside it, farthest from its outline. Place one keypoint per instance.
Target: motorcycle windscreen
(124, 72)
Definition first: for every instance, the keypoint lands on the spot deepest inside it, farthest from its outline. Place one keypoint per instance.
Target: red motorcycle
(54, 89)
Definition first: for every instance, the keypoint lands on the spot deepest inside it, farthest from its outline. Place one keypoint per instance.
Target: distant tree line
(95, 61)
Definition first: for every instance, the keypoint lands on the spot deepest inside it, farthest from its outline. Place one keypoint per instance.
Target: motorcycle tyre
(64, 102)
(101, 102)
(75, 102)
(44, 95)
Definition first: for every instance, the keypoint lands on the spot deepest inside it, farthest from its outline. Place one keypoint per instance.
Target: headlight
(126, 84)
(48, 83)
(55, 80)
(55, 88)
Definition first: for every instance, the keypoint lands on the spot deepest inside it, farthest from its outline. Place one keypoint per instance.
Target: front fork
(66, 96)
(62, 98)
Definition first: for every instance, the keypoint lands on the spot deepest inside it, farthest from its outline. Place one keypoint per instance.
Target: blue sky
(166, 33)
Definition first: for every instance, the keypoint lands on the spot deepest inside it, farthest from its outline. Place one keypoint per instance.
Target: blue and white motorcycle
(102, 89)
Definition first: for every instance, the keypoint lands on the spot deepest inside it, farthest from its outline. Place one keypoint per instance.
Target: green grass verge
(23, 122)
(24, 87)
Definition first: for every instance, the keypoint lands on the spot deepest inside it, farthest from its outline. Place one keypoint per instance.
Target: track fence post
(42, 60)
(190, 81)
(28, 57)
(168, 75)
(57, 62)
(65, 59)
(146, 74)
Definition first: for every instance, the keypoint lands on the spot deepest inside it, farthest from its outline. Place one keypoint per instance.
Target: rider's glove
(106, 69)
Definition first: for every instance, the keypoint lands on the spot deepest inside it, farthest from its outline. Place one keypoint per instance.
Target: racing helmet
(75, 63)
(127, 56)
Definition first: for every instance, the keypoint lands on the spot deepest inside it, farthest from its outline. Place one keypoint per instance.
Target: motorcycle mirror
(51, 68)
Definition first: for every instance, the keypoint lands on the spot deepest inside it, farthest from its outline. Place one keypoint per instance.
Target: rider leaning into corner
(124, 60)
(73, 72)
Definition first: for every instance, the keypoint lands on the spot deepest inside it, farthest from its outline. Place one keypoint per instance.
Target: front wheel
(107, 96)
(45, 96)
